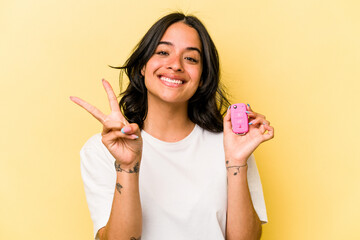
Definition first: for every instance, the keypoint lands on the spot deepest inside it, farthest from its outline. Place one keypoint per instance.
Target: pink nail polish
(135, 136)
(125, 129)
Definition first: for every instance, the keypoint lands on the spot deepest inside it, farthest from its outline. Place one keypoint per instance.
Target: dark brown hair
(206, 107)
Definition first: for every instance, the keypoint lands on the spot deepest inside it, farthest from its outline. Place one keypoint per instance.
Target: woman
(167, 165)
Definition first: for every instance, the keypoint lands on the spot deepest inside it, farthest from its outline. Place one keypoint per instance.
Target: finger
(114, 105)
(131, 129)
(227, 121)
(262, 128)
(259, 121)
(270, 134)
(112, 126)
(112, 136)
(254, 115)
(248, 107)
(251, 115)
(90, 108)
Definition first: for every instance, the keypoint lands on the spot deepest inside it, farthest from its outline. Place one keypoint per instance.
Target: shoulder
(93, 142)
(94, 152)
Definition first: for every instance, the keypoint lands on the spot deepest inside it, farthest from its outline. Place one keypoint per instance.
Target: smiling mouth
(171, 81)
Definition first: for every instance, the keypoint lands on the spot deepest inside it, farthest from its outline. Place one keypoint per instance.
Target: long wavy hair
(209, 103)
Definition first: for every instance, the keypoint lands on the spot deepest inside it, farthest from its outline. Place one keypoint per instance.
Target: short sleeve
(99, 177)
(255, 188)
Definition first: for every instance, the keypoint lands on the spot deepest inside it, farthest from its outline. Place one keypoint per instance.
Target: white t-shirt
(183, 186)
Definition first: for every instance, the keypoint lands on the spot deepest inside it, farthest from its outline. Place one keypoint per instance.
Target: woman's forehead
(182, 35)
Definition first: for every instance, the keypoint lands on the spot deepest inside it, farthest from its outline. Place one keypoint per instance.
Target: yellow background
(297, 62)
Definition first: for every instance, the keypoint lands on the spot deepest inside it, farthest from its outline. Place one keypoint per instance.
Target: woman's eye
(162, 53)
(191, 59)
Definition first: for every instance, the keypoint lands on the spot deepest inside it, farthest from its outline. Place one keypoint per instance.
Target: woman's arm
(123, 140)
(125, 220)
(242, 220)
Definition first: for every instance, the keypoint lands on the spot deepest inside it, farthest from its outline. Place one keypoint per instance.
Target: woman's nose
(175, 64)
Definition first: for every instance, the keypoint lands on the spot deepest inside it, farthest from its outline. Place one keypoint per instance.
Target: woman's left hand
(238, 148)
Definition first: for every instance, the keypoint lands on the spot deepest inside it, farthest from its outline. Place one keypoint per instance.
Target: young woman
(167, 164)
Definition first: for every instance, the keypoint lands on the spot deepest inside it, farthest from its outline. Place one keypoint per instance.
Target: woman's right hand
(122, 139)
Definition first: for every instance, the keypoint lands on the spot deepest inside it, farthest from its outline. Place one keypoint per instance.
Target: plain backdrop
(297, 62)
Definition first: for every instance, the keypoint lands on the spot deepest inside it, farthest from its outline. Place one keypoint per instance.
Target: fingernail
(229, 107)
(135, 136)
(248, 105)
(125, 129)
(247, 111)
(250, 123)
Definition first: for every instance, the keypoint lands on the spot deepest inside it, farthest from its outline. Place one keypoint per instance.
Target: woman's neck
(168, 122)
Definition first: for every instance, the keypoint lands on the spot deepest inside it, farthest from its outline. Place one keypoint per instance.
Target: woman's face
(173, 73)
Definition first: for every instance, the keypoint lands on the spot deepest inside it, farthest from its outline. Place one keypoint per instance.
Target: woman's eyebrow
(188, 48)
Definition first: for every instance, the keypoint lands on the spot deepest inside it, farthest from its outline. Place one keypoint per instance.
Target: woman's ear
(142, 72)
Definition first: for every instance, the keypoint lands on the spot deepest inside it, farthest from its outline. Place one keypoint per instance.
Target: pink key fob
(239, 118)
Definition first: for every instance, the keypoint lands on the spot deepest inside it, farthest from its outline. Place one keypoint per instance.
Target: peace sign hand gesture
(123, 140)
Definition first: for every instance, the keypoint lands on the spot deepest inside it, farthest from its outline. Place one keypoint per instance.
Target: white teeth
(169, 80)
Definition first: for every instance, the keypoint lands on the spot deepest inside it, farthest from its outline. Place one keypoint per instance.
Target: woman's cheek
(195, 74)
